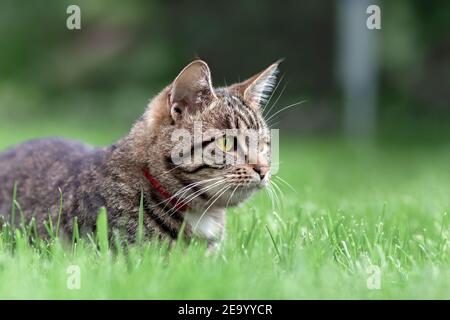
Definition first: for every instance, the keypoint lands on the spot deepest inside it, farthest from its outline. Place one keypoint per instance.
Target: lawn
(358, 213)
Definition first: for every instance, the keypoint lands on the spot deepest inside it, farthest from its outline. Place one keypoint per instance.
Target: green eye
(225, 144)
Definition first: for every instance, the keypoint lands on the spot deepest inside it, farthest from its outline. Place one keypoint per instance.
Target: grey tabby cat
(116, 176)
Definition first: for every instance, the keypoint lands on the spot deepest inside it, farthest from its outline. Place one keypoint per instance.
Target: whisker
(277, 188)
(273, 125)
(205, 181)
(285, 108)
(185, 188)
(204, 189)
(275, 194)
(213, 196)
(286, 183)
(267, 190)
(275, 204)
(271, 95)
(204, 212)
(231, 196)
(195, 195)
(168, 171)
(276, 101)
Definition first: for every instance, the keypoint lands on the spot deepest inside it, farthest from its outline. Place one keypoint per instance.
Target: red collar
(180, 206)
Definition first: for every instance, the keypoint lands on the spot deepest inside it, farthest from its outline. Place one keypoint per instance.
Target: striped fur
(90, 178)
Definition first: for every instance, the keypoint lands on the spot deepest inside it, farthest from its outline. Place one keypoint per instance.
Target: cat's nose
(261, 170)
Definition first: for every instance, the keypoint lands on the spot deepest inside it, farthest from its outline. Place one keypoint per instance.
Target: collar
(176, 203)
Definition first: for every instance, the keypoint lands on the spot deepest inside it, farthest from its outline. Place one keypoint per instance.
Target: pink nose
(261, 170)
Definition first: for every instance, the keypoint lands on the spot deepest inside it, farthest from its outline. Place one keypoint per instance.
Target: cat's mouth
(235, 194)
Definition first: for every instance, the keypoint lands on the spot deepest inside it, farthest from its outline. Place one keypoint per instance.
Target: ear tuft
(257, 89)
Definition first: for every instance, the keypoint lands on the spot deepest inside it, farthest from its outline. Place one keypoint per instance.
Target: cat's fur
(89, 178)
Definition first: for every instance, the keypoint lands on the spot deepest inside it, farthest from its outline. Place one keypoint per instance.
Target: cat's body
(87, 178)
(51, 172)
(44, 169)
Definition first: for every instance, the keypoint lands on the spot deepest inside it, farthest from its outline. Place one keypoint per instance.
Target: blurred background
(367, 154)
(388, 84)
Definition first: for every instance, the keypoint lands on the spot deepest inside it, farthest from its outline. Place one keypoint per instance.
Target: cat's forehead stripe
(230, 111)
(247, 114)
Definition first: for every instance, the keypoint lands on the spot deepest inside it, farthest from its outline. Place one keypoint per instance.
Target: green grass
(354, 206)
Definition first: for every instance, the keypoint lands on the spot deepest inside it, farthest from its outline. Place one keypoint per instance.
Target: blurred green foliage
(128, 51)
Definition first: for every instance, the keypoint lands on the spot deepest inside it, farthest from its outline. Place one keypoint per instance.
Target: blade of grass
(13, 205)
(140, 233)
(102, 230)
(58, 222)
(274, 243)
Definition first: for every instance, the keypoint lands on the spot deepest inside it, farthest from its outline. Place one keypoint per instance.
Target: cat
(192, 197)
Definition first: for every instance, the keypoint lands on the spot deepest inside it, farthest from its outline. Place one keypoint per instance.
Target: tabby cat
(45, 172)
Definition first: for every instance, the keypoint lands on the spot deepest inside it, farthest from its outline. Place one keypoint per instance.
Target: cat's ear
(257, 89)
(191, 90)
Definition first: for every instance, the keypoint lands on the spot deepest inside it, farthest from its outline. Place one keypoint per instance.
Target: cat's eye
(225, 143)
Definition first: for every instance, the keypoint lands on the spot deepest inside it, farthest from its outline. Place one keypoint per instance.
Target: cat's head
(215, 138)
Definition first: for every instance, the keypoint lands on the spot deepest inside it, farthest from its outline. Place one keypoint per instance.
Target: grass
(356, 210)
